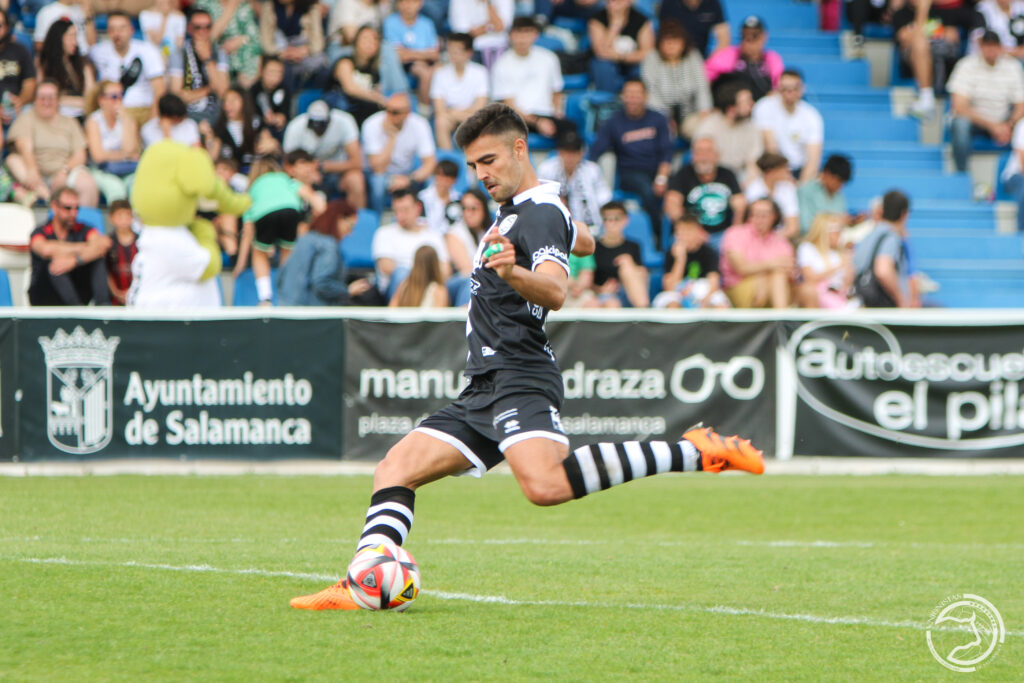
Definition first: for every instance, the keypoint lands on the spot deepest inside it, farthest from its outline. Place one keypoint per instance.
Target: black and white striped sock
(600, 466)
(389, 517)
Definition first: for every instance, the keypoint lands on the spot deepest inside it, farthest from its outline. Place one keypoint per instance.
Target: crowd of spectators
(717, 156)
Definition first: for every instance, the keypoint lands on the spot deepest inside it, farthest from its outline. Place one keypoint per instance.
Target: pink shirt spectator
(724, 61)
(753, 246)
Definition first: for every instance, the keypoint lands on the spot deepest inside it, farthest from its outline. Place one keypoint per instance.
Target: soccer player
(510, 408)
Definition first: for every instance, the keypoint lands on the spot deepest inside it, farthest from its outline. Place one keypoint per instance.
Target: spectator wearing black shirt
(621, 37)
(691, 278)
(619, 273)
(67, 258)
(705, 190)
(238, 133)
(272, 97)
(17, 72)
(199, 70)
(701, 19)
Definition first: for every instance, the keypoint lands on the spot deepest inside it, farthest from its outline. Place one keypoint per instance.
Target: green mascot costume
(178, 256)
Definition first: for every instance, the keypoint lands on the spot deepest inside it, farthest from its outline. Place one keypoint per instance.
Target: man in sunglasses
(67, 258)
(199, 70)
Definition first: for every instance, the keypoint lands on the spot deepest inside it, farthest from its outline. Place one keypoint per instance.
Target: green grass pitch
(670, 578)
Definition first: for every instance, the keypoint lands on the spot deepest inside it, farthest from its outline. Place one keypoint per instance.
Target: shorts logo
(487, 351)
(507, 223)
(79, 390)
(511, 426)
(506, 417)
(556, 420)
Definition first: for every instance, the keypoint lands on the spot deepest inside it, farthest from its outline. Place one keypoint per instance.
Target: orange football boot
(335, 597)
(730, 453)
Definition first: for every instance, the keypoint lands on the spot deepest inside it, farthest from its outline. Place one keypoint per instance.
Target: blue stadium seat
(245, 288)
(1001, 194)
(539, 142)
(576, 81)
(786, 14)
(577, 26)
(831, 70)
(357, 248)
(639, 230)
(307, 97)
(551, 43)
(6, 299)
(92, 217)
(862, 126)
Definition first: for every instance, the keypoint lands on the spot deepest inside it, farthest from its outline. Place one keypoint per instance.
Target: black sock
(389, 517)
(600, 466)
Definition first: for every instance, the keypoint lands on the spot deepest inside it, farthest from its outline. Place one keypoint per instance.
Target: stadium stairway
(953, 238)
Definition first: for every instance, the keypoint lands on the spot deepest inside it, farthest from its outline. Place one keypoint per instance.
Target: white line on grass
(502, 600)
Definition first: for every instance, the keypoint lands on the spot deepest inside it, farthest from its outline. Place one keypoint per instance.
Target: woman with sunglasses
(114, 143)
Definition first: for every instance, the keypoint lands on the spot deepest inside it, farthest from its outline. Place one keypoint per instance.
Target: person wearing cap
(702, 19)
(987, 91)
(749, 61)
(791, 126)
(581, 180)
(331, 136)
(393, 140)
(528, 78)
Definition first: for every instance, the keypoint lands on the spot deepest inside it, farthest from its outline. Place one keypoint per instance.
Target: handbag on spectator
(119, 168)
(867, 286)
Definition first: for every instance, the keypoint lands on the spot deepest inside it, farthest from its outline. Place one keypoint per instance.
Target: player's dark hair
(495, 119)
(839, 166)
(171, 106)
(120, 205)
(447, 168)
(895, 205)
(613, 206)
(463, 39)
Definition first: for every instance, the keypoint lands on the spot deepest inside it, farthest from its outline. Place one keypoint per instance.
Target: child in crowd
(121, 254)
(620, 278)
(691, 278)
(439, 194)
(272, 222)
(272, 97)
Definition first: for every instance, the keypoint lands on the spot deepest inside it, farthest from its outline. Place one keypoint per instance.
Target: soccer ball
(384, 577)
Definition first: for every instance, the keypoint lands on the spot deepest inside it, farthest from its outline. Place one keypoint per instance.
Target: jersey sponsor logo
(549, 252)
(507, 223)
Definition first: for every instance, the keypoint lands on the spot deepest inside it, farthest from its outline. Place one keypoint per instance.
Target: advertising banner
(249, 388)
(8, 391)
(864, 388)
(622, 380)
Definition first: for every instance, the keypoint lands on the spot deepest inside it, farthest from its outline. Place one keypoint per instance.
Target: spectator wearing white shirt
(987, 92)
(529, 79)
(331, 137)
(171, 122)
(582, 182)
(393, 140)
(163, 26)
(458, 88)
(135, 63)
(394, 246)
(776, 183)
(78, 12)
(487, 23)
(1006, 19)
(791, 126)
